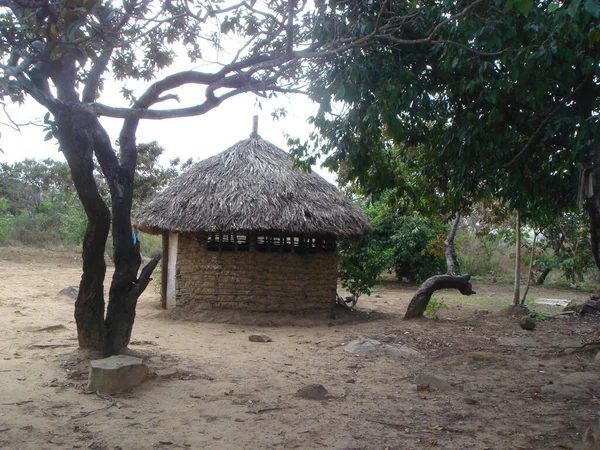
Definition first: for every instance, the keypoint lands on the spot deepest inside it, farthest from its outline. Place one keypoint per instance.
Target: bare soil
(212, 388)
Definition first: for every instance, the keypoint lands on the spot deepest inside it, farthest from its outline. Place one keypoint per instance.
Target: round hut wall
(250, 271)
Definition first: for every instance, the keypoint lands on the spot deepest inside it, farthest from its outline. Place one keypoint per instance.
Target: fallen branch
(22, 402)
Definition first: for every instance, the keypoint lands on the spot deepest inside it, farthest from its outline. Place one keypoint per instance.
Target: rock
(527, 323)
(429, 382)
(572, 386)
(313, 392)
(116, 374)
(259, 338)
(590, 307)
(166, 373)
(70, 292)
(370, 347)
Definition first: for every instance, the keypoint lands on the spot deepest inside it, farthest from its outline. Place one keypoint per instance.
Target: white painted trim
(172, 271)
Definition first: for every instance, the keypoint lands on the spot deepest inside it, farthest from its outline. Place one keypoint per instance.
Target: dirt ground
(211, 388)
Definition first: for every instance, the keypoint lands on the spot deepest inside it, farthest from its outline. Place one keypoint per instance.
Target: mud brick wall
(254, 281)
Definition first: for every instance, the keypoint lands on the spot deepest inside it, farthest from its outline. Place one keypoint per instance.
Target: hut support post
(171, 289)
(165, 270)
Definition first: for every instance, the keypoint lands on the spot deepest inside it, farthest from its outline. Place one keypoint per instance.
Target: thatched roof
(252, 187)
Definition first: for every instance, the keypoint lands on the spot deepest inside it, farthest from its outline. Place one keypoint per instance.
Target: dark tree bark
(591, 187)
(77, 146)
(543, 275)
(451, 261)
(81, 137)
(420, 300)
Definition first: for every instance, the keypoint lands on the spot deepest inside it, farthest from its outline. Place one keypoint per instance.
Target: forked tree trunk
(420, 300)
(81, 137)
(451, 262)
(77, 146)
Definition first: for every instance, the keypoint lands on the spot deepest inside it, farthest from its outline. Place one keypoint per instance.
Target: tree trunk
(592, 203)
(517, 288)
(547, 270)
(420, 300)
(76, 144)
(535, 235)
(543, 275)
(451, 262)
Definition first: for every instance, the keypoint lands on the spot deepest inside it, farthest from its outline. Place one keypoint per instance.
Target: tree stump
(420, 300)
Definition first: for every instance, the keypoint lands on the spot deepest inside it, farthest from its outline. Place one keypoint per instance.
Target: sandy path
(230, 393)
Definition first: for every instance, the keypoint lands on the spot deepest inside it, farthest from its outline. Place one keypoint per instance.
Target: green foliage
(504, 105)
(38, 206)
(433, 309)
(150, 245)
(361, 263)
(6, 220)
(418, 245)
(408, 243)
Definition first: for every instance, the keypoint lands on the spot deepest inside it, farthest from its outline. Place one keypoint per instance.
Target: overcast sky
(195, 137)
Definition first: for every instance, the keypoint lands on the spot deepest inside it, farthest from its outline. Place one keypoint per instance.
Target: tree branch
(536, 136)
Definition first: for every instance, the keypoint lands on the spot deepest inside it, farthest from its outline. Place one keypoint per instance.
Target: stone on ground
(116, 374)
(70, 292)
(313, 392)
(429, 382)
(572, 386)
(527, 323)
(259, 338)
(370, 347)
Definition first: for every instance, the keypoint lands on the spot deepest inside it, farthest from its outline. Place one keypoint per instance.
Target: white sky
(195, 137)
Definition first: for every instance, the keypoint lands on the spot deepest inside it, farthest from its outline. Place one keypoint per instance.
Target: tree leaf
(525, 7)
(593, 7)
(75, 27)
(48, 136)
(573, 7)
(553, 7)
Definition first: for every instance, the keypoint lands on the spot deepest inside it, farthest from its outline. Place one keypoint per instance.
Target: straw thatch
(252, 187)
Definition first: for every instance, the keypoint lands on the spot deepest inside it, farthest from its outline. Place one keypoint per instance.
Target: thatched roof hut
(252, 186)
(245, 229)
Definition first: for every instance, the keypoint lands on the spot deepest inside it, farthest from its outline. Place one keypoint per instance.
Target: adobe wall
(252, 280)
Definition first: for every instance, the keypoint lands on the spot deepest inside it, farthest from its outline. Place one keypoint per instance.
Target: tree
(59, 52)
(504, 105)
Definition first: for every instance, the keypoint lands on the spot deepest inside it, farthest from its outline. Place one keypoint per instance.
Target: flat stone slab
(572, 386)
(562, 302)
(371, 347)
(532, 342)
(116, 374)
(430, 382)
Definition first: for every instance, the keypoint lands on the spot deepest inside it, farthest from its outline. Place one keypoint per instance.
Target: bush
(6, 221)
